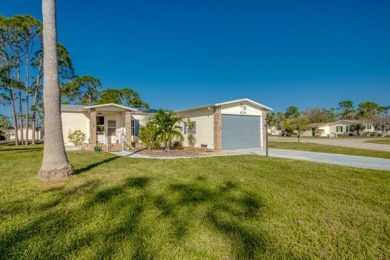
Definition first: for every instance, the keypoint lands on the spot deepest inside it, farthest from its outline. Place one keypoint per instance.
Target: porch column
(128, 126)
(92, 126)
(217, 129)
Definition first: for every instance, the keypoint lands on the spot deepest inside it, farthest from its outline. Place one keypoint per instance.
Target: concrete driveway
(345, 142)
(337, 159)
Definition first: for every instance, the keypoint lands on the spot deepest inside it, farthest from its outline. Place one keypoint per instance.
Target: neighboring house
(230, 125)
(341, 127)
(11, 134)
(273, 130)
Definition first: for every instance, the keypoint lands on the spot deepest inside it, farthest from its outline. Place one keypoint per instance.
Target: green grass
(312, 147)
(240, 207)
(379, 141)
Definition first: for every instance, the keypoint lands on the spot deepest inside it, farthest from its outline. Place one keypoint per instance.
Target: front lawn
(379, 141)
(236, 207)
(323, 148)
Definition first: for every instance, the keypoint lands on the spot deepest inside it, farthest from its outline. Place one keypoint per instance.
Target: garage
(240, 132)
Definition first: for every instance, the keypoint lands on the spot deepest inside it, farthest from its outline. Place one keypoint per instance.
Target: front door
(111, 129)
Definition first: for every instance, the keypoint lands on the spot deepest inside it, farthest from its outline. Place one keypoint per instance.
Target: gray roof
(72, 108)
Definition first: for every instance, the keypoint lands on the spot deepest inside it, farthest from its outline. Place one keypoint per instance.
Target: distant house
(273, 130)
(340, 127)
(222, 126)
(11, 134)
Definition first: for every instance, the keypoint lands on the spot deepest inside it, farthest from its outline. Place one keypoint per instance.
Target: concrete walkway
(131, 154)
(351, 142)
(338, 159)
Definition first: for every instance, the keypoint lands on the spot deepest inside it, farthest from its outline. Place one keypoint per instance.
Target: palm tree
(55, 164)
(167, 127)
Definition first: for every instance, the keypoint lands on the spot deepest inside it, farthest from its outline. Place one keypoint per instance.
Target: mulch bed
(185, 152)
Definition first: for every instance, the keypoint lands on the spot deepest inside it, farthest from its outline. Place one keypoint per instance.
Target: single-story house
(340, 127)
(11, 134)
(234, 124)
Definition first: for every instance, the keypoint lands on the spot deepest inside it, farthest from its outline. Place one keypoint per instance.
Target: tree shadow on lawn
(93, 165)
(121, 212)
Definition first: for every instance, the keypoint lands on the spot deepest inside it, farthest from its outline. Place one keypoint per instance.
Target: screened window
(111, 127)
(188, 129)
(100, 124)
(134, 127)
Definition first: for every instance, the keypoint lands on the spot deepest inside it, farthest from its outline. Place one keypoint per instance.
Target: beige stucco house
(11, 134)
(340, 127)
(229, 125)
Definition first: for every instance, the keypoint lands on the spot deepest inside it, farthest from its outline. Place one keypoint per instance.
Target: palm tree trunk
(55, 164)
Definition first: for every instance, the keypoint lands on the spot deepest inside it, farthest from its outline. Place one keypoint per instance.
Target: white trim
(227, 103)
(111, 104)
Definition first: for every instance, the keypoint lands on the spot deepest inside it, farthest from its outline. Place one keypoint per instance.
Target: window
(369, 127)
(134, 127)
(339, 129)
(100, 124)
(111, 127)
(190, 130)
(347, 129)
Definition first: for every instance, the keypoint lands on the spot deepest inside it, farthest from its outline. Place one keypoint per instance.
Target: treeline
(21, 77)
(293, 120)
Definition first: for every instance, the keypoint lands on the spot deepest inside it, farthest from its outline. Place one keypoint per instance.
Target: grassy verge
(312, 147)
(236, 207)
(379, 141)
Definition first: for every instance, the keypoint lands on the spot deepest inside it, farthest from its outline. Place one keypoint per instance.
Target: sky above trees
(180, 54)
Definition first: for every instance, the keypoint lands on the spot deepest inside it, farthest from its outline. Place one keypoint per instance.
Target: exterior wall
(204, 119)
(38, 135)
(235, 109)
(72, 121)
(142, 119)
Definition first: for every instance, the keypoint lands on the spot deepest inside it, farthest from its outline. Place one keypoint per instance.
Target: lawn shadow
(96, 164)
(224, 208)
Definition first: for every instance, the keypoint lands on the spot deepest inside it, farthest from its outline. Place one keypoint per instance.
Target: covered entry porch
(110, 126)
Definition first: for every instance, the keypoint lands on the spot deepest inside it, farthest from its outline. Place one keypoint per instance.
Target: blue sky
(181, 54)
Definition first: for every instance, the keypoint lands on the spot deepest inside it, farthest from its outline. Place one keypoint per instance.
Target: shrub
(77, 138)
(148, 136)
(177, 144)
(191, 140)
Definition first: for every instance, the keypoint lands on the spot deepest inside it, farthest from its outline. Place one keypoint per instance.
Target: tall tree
(346, 110)
(31, 33)
(318, 115)
(8, 64)
(127, 97)
(55, 164)
(292, 112)
(368, 110)
(84, 89)
(65, 71)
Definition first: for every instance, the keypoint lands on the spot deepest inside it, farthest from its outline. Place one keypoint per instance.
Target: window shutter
(194, 130)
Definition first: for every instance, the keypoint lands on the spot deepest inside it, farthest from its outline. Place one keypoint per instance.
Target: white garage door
(240, 132)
